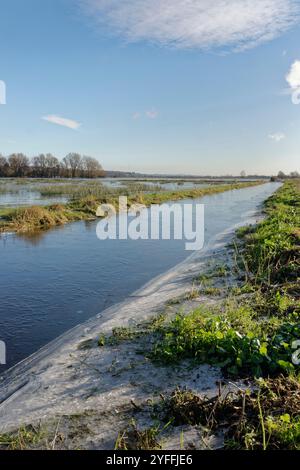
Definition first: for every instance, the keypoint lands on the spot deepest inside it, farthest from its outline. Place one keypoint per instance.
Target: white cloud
(151, 114)
(202, 24)
(60, 121)
(277, 137)
(293, 77)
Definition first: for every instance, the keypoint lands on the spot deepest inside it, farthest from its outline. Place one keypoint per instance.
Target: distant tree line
(293, 174)
(48, 166)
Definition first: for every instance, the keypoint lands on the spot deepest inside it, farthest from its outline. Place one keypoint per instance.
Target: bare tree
(39, 165)
(4, 166)
(48, 166)
(53, 166)
(19, 164)
(73, 163)
(92, 168)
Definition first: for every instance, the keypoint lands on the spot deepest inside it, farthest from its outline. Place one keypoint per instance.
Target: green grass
(124, 334)
(165, 196)
(272, 250)
(77, 190)
(285, 430)
(253, 335)
(6, 213)
(238, 343)
(135, 186)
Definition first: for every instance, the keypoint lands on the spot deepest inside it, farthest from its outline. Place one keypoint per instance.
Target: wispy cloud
(277, 137)
(202, 24)
(60, 121)
(151, 114)
(136, 116)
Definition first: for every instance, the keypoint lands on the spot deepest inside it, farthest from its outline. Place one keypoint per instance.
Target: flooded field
(28, 192)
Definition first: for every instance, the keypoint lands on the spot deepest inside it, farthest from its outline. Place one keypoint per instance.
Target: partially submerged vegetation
(86, 199)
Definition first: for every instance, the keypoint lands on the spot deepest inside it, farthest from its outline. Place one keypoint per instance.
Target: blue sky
(144, 86)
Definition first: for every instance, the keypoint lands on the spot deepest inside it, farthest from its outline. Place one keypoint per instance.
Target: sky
(155, 86)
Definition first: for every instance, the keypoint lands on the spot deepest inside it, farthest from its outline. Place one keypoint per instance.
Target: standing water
(52, 281)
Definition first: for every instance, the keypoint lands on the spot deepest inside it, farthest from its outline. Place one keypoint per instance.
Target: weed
(24, 438)
(266, 418)
(133, 438)
(123, 334)
(212, 291)
(235, 342)
(184, 407)
(87, 344)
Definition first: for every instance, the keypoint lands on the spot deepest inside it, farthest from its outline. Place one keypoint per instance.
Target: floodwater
(28, 194)
(13, 194)
(54, 280)
(24, 198)
(19, 194)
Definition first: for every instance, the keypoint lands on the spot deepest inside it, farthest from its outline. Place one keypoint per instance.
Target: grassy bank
(85, 202)
(249, 333)
(252, 335)
(255, 337)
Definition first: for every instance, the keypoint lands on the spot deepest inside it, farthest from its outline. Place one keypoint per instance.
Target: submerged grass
(37, 218)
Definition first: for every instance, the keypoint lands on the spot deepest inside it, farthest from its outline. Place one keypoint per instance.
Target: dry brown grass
(36, 217)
